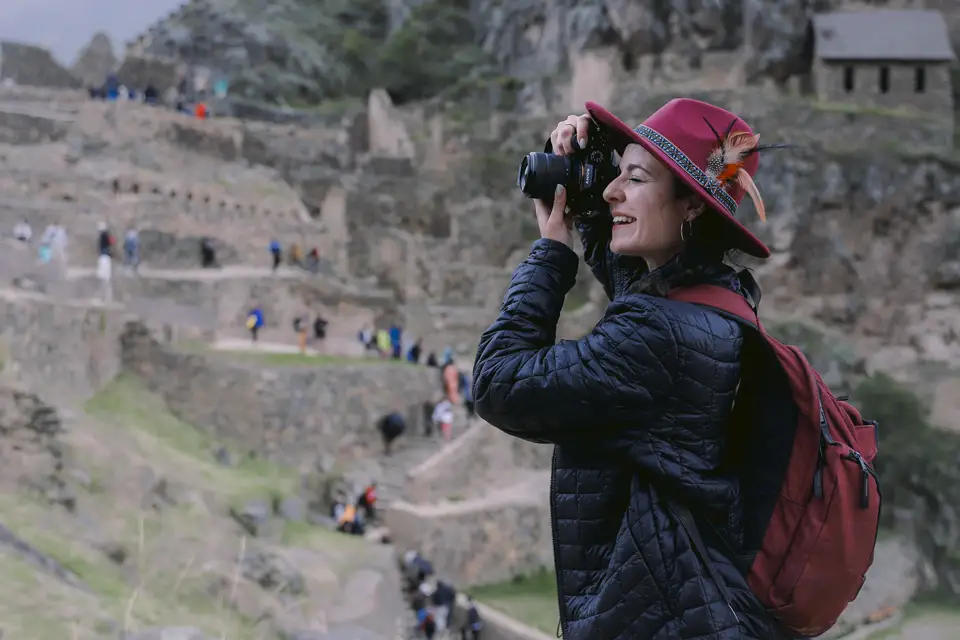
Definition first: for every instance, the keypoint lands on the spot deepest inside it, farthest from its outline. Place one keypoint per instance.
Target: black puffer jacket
(638, 410)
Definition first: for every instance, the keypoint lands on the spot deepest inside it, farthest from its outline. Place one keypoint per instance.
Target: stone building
(889, 59)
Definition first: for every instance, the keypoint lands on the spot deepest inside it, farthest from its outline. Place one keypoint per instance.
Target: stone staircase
(409, 453)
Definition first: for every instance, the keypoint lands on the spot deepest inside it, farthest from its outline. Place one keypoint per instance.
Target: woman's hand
(563, 136)
(569, 136)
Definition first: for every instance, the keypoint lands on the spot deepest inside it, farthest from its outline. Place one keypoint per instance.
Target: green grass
(532, 599)
(126, 403)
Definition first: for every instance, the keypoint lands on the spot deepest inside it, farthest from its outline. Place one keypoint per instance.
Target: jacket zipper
(561, 623)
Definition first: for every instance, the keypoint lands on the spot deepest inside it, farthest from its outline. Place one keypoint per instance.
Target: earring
(689, 233)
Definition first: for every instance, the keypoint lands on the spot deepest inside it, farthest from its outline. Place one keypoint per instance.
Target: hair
(707, 246)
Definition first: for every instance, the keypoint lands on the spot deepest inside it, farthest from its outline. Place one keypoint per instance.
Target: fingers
(559, 204)
(583, 128)
(570, 135)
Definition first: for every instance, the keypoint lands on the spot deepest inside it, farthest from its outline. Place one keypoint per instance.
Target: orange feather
(750, 187)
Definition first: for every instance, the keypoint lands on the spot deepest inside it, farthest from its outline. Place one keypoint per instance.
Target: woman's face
(646, 213)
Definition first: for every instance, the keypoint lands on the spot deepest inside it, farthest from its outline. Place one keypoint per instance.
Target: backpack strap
(736, 307)
(727, 303)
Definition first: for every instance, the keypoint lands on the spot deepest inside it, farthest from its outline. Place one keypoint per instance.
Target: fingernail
(582, 142)
(559, 189)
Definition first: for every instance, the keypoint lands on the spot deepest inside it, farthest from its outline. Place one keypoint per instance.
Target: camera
(585, 174)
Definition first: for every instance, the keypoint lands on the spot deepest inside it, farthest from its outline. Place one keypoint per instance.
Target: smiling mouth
(621, 219)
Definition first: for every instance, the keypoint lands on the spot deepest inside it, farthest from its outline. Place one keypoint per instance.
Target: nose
(613, 193)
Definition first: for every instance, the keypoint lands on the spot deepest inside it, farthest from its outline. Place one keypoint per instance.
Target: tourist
(366, 338)
(450, 379)
(296, 255)
(208, 255)
(639, 408)
(105, 240)
(254, 322)
(391, 426)
(443, 598)
(277, 252)
(300, 328)
(474, 624)
(367, 501)
(131, 249)
(105, 277)
(58, 241)
(426, 623)
(150, 94)
(416, 570)
(319, 328)
(432, 360)
(383, 343)
(413, 354)
(313, 260)
(443, 418)
(396, 341)
(350, 521)
(22, 231)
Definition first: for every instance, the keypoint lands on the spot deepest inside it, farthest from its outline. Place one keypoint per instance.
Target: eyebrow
(631, 167)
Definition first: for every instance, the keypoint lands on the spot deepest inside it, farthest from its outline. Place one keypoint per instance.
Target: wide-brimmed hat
(710, 149)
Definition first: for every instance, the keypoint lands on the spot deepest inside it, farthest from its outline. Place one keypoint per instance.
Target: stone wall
(482, 540)
(65, 350)
(482, 458)
(936, 100)
(479, 509)
(32, 65)
(219, 300)
(497, 625)
(290, 415)
(19, 127)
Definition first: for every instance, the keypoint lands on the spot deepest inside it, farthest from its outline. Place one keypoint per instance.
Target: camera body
(585, 174)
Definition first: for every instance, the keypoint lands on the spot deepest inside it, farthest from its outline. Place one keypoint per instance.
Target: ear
(695, 206)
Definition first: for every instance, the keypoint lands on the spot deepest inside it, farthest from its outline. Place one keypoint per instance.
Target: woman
(638, 408)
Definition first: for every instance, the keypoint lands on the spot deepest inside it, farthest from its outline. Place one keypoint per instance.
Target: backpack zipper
(825, 439)
(867, 472)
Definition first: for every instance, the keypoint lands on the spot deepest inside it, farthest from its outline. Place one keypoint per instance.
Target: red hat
(710, 149)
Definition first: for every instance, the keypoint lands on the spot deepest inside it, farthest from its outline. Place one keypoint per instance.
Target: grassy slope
(531, 599)
(127, 441)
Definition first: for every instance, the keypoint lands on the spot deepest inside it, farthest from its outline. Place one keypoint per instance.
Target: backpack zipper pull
(865, 491)
(818, 473)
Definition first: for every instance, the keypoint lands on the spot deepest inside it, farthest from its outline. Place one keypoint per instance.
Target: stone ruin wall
(289, 415)
(65, 350)
(479, 509)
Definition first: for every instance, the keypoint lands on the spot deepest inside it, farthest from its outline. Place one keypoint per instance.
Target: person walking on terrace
(276, 251)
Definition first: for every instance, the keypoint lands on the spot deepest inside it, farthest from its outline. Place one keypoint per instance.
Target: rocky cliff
(303, 52)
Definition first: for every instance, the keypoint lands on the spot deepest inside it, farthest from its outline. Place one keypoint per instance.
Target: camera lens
(540, 173)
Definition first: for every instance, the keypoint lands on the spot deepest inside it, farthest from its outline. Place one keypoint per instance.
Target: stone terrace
(479, 509)
(287, 414)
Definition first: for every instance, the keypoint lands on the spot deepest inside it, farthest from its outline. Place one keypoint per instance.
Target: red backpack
(809, 545)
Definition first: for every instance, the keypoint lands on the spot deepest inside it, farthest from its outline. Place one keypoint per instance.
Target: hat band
(673, 152)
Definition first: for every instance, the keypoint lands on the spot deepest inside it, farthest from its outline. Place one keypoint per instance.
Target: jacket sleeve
(595, 240)
(529, 387)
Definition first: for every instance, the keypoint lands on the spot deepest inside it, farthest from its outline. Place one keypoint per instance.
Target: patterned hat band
(711, 186)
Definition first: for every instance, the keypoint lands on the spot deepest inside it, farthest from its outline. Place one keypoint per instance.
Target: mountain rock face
(95, 61)
(298, 51)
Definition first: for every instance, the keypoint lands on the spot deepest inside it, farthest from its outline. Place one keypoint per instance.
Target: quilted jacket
(638, 410)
